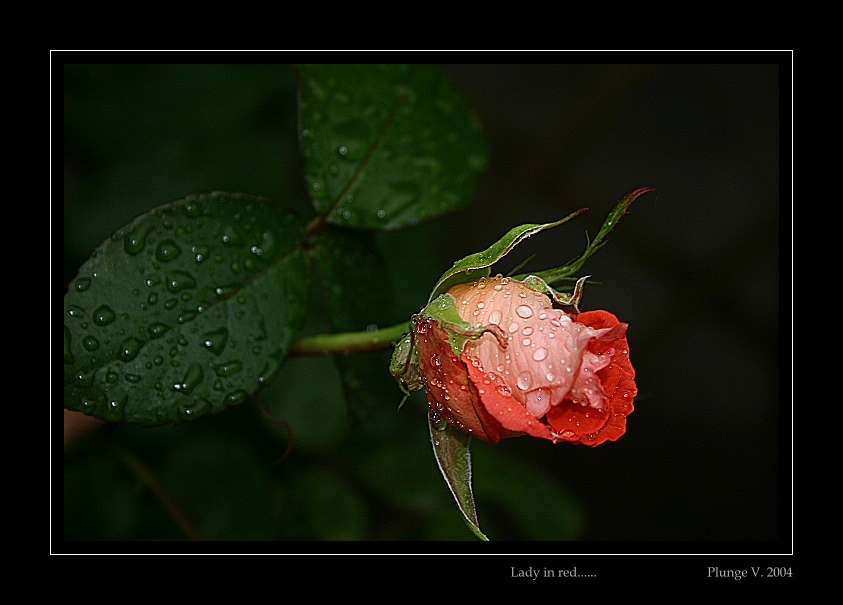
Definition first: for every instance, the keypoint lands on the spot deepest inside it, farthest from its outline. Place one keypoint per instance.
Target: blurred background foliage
(695, 272)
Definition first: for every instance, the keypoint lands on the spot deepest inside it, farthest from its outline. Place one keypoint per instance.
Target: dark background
(695, 269)
(695, 272)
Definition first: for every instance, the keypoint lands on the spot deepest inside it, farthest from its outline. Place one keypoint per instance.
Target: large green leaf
(185, 311)
(386, 146)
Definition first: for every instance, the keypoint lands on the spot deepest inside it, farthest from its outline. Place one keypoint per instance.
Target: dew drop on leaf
(157, 330)
(90, 343)
(130, 348)
(75, 311)
(180, 280)
(235, 397)
(215, 340)
(103, 315)
(228, 368)
(193, 377)
(135, 241)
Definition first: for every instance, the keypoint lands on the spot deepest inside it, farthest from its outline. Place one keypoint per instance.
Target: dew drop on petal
(513, 327)
(524, 381)
(495, 317)
(537, 403)
(524, 311)
(539, 354)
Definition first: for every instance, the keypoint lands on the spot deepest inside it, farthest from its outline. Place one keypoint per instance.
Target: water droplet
(526, 342)
(524, 311)
(439, 423)
(85, 380)
(179, 280)
(495, 317)
(90, 343)
(524, 381)
(381, 213)
(539, 354)
(550, 376)
(537, 402)
(192, 378)
(481, 305)
(504, 390)
(132, 378)
(130, 348)
(75, 311)
(228, 368)
(157, 330)
(82, 284)
(434, 360)
(215, 340)
(135, 241)
(167, 251)
(527, 331)
(104, 315)
(513, 327)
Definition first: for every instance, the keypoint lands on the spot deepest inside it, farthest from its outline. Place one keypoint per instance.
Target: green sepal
(569, 302)
(404, 366)
(451, 449)
(444, 310)
(566, 272)
(475, 266)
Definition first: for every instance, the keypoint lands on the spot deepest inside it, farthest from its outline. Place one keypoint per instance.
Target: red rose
(525, 367)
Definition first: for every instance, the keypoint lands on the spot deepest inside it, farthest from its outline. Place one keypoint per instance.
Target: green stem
(375, 340)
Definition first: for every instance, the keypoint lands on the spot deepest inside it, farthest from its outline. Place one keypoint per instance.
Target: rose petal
(498, 400)
(449, 390)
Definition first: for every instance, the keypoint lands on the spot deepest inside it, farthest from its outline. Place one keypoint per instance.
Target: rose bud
(499, 358)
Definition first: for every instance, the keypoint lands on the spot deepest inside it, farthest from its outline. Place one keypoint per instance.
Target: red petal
(450, 392)
(505, 408)
(617, 380)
